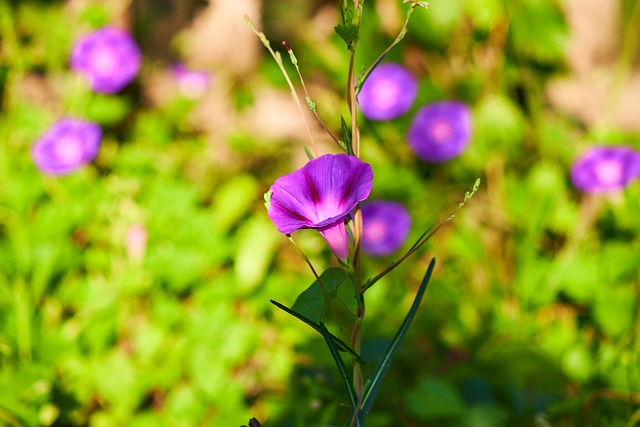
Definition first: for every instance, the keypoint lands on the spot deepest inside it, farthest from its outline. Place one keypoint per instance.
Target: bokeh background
(135, 291)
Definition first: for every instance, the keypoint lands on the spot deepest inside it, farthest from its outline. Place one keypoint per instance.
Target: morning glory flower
(440, 131)
(320, 195)
(191, 84)
(385, 227)
(388, 92)
(606, 169)
(66, 146)
(108, 58)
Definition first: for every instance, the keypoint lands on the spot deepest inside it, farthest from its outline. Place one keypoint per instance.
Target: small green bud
(267, 199)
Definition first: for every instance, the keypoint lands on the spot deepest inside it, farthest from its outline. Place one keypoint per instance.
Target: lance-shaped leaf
(373, 383)
(340, 345)
(347, 136)
(346, 378)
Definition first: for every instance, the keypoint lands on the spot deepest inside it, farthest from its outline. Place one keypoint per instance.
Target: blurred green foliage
(532, 316)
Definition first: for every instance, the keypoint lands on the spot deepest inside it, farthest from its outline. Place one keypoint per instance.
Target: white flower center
(441, 131)
(386, 92)
(68, 150)
(104, 61)
(609, 172)
(375, 230)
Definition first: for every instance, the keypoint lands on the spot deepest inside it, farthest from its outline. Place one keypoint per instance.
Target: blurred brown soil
(597, 92)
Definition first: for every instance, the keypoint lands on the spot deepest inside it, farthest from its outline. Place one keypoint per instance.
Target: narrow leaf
(347, 135)
(353, 400)
(423, 235)
(308, 153)
(373, 383)
(341, 345)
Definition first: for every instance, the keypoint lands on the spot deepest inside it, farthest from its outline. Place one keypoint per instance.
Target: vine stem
(278, 58)
(398, 39)
(310, 103)
(356, 335)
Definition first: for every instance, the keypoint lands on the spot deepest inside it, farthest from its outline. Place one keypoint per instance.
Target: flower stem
(398, 39)
(278, 58)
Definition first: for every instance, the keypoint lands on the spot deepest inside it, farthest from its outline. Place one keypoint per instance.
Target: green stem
(398, 39)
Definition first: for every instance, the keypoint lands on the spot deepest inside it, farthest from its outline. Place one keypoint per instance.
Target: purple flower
(67, 145)
(108, 58)
(388, 92)
(605, 169)
(385, 227)
(440, 131)
(192, 84)
(320, 195)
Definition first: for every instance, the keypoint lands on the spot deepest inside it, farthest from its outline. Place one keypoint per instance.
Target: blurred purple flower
(191, 84)
(320, 195)
(385, 227)
(388, 92)
(109, 58)
(605, 169)
(67, 145)
(440, 131)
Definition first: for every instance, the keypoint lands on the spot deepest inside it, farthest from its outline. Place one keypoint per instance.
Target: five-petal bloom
(320, 195)
(606, 169)
(385, 227)
(109, 58)
(388, 92)
(67, 145)
(440, 131)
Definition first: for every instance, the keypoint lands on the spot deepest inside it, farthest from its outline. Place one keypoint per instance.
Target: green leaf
(348, 33)
(232, 200)
(434, 399)
(309, 156)
(373, 383)
(347, 136)
(314, 301)
(107, 110)
(341, 345)
(257, 241)
(538, 30)
(353, 400)
(348, 30)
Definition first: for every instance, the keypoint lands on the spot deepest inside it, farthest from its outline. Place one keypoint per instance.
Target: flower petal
(337, 238)
(322, 192)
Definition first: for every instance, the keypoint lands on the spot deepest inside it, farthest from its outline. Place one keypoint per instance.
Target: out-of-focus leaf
(257, 241)
(107, 110)
(434, 399)
(577, 362)
(578, 276)
(486, 415)
(485, 14)
(537, 30)
(614, 308)
(498, 125)
(436, 25)
(232, 200)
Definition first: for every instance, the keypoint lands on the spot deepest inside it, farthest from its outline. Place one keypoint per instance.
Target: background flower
(606, 169)
(385, 227)
(67, 145)
(388, 93)
(191, 84)
(108, 58)
(320, 195)
(440, 131)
